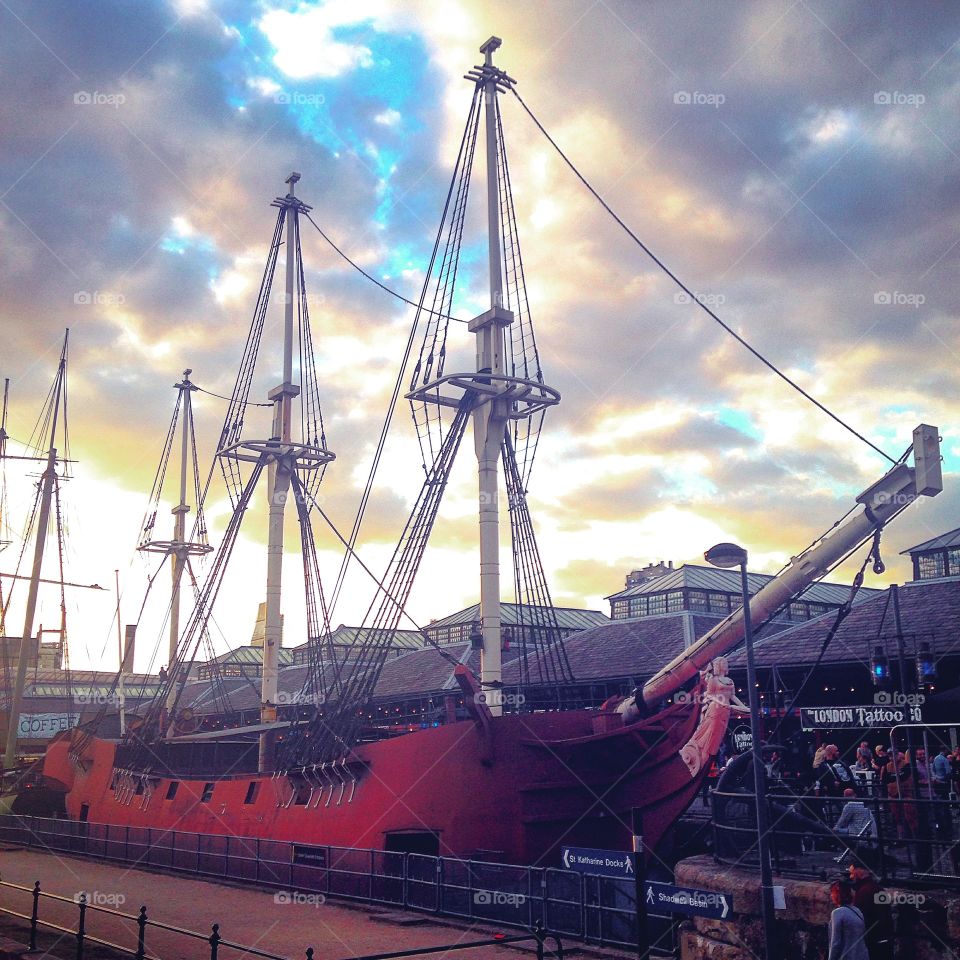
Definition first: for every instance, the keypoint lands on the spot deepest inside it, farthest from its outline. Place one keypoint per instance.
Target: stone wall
(930, 931)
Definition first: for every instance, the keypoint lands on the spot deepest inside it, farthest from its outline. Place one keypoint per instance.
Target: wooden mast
(46, 492)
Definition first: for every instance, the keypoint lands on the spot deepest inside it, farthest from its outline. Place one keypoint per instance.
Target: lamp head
(726, 555)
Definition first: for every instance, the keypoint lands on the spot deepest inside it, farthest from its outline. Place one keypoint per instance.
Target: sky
(794, 163)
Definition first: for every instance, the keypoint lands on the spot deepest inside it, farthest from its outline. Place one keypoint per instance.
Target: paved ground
(246, 915)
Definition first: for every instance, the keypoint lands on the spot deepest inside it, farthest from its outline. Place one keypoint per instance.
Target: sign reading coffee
(872, 715)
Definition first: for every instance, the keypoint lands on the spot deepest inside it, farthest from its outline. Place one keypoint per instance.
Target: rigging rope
(374, 280)
(220, 396)
(842, 613)
(693, 296)
(395, 396)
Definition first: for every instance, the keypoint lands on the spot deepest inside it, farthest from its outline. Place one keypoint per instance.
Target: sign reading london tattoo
(872, 715)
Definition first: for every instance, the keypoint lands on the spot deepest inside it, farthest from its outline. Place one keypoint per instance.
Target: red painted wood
(551, 781)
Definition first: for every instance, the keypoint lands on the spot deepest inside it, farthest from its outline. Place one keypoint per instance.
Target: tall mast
(46, 491)
(180, 548)
(3, 478)
(490, 419)
(278, 486)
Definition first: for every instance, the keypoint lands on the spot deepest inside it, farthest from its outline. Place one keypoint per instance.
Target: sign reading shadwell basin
(863, 718)
(688, 900)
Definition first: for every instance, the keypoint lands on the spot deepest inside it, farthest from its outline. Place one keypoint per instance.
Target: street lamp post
(731, 555)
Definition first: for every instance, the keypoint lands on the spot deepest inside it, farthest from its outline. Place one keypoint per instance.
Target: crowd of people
(898, 774)
(916, 800)
(923, 792)
(904, 776)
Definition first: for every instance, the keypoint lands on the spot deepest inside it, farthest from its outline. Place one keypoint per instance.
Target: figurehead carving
(718, 698)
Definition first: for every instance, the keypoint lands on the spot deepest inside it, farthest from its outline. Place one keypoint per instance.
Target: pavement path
(247, 915)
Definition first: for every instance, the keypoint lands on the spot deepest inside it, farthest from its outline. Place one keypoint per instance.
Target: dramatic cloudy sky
(795, 162)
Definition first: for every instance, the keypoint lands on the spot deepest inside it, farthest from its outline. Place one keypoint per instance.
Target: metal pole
(905, 683)
(121, 693)
(760, 779)
(46, 491)
(141, 934)
(34, 916)
(639, 884)
(489, 419)
(81, 925)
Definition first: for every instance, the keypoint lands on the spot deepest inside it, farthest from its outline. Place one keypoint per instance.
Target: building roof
(343, 635)
(694, 577)
(630, 648)
(568, 618)
(411, 673)
(951, 539)
(250, 656)
(928, 610)
(636, 649)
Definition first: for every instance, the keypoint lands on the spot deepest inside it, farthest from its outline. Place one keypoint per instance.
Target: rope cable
(693, 296)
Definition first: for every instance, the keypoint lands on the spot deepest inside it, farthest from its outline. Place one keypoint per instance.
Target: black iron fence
(913, 840)
(593, 909)
(141, 928)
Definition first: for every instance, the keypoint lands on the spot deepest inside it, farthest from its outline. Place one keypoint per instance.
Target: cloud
(812, 207)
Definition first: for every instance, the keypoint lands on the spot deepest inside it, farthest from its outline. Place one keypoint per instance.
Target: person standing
(898, 778)
(880, 760)
(877, 915)
(847, 925)
(940, 772)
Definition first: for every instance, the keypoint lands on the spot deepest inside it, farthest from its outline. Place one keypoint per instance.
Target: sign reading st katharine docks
(862, 717)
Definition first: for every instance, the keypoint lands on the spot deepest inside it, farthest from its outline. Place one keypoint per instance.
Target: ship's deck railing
(583, 907)
(914, 841)
(137, 928)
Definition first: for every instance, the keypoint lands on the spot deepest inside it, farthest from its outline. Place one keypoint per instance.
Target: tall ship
(518, 782)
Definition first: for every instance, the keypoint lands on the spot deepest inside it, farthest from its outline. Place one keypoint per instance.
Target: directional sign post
(603, 863)
(688, 900)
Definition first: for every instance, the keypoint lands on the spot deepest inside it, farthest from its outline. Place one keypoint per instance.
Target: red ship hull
(517, 791)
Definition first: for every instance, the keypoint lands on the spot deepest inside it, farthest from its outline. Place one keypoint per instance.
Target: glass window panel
(931, 565)
(698, 600)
